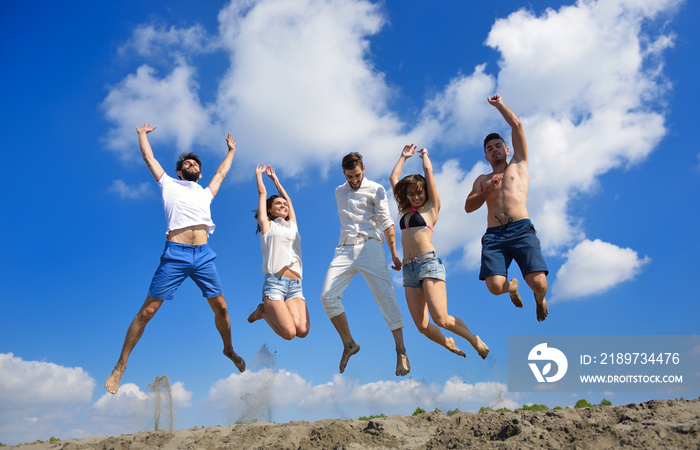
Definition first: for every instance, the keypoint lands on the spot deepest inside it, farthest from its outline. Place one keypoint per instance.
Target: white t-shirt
(281, 246)
(186, 204)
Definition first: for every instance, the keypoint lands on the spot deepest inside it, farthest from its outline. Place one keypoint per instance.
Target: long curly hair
(402, 186)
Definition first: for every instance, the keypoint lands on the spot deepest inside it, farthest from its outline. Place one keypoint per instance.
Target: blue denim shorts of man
(277, 287)
(514, 241)
(420, 269)
(180, 261)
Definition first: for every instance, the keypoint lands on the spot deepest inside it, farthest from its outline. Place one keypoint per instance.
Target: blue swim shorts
(417, 271)
(277, 287)
(180, 261)
(514, 241)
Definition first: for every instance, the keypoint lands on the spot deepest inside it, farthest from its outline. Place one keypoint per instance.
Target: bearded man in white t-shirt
(186, 253)
(365, 221)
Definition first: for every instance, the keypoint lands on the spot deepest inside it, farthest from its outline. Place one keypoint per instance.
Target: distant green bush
(371, 417)
(605, 402)
(453, 412)
(484, 409)
(53, 439)
(418, 411)
(557, 407)
(503, 410)
(583, 403)
(533, 408)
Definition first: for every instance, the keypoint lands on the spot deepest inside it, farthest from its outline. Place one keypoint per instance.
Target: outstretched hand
(271, 172)
(146, 128)
(423, 152)
(408, 151)
(231, 142)
(260, 169)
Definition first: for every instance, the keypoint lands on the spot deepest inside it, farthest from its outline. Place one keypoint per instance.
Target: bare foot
(542, 310)
(349, 350)
(481, 348)
(257, 314)
(514, 295)
(112, 383)
(237, 360)
(402, 365)
(451, 346)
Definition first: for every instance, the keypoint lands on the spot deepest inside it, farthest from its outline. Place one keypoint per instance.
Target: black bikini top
(416, 220)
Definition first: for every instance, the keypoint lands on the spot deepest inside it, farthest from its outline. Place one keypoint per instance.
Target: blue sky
(607, 92)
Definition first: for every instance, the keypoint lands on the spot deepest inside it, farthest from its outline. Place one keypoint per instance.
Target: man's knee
(495, 284)
(149, 309)
(537, 282)
(332, 305)
(218, 305)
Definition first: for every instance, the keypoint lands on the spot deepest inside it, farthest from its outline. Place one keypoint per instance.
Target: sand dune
(652, 424)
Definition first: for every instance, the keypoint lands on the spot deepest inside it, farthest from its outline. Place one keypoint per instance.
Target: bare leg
(402, 364)
(223, 325)
(288, 319)
(419, 313)
(300, 315)
(498, 285)
(340, 322)
(133, 334)
(538, 283)
(436, 299)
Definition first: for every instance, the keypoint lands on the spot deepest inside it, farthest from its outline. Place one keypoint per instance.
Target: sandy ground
(653, 424)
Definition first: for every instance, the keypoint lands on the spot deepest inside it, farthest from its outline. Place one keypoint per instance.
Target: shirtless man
(365, 221)
(186, 250)
(510, 234)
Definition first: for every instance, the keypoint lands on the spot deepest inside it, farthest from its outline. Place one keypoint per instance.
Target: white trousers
(367, 259)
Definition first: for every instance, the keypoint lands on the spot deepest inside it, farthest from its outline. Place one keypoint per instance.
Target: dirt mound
(652, 424)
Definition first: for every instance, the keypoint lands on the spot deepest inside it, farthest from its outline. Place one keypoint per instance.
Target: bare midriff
(416, 241)
(194, 235)
(287, 273)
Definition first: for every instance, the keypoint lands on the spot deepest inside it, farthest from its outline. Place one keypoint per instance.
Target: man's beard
(190, 176)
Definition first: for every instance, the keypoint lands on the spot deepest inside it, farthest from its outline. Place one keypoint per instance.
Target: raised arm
(146, 151)
(225, 166)
(406, 153)
(430, 179)
(517, 132)
(263, 220)
(271, 173)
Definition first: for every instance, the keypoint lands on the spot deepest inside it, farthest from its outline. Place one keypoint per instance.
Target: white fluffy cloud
(593, 267)
(130, 192)
(300, 91)
(39, 399)
(255, 395)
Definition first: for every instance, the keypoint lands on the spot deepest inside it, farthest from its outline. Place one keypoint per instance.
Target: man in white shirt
(364, 216)
(186, 252)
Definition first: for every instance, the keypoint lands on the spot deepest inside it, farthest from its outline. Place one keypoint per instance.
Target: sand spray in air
(255, 403)
(161, 388)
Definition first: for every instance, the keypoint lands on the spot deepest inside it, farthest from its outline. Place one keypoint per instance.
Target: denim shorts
(417, 271)
(180, 261)
(277, 287)
(515, 241)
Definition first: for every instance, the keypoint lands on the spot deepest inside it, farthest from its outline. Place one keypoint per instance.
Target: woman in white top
(283, 305)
